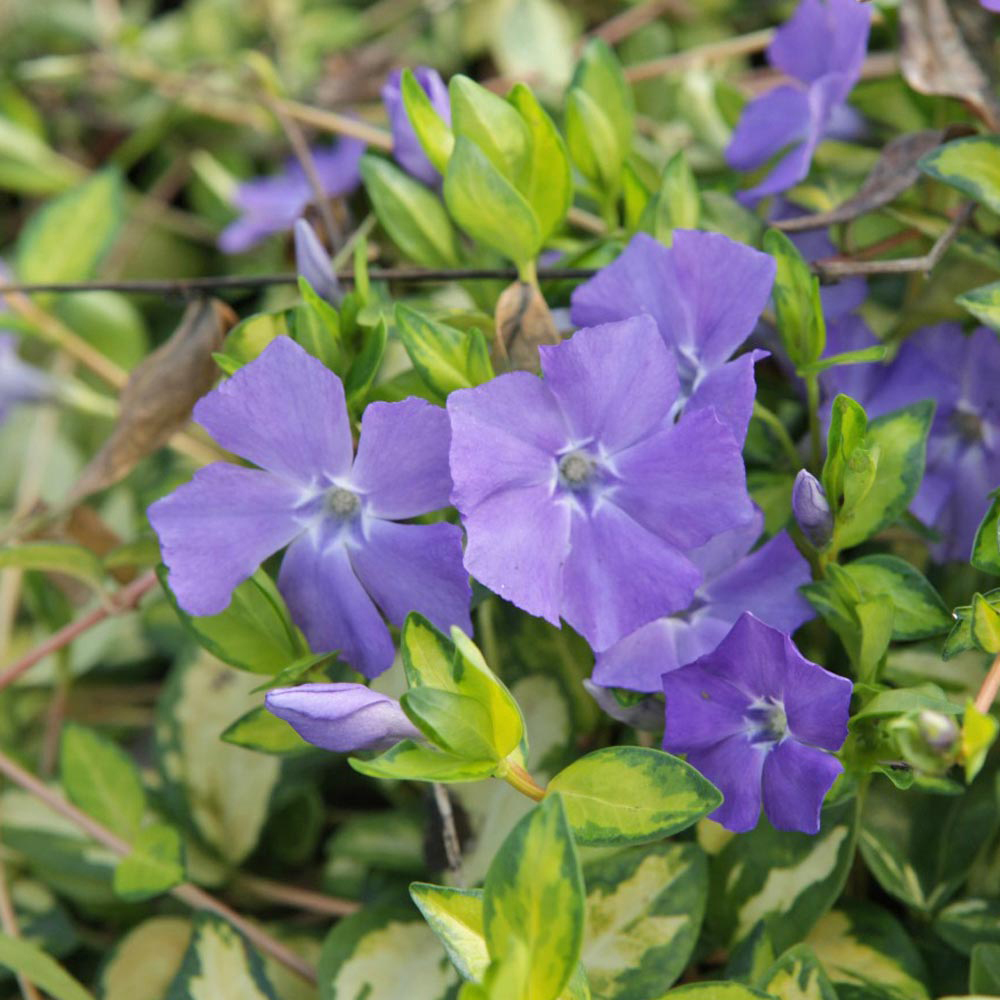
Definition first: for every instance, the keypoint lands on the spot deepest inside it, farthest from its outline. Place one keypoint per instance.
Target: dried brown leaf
(939, 53)
(895, 171)
(159, 395)
(523, 324)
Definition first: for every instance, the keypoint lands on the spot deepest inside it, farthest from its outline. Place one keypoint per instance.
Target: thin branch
(8, 921)
(991, 685)
(291, 895)
(191, 894)
(449, 832)
(124, 600)
(616, 29)
(729, 48)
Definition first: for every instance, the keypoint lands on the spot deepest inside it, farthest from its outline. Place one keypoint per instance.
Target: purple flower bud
(406, 146)
(313, 263)
(342, 717)
(940, 732)
(811, 509)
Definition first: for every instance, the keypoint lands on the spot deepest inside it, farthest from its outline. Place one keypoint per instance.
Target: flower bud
(939, 732)
(313, 263)
(811, 509)
(342, 717)
(406, 148)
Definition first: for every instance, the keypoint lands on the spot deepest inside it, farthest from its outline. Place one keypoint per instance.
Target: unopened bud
(811, 509)
(940, 732)
(313, 263)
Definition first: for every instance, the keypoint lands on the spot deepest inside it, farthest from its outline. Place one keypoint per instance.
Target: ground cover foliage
(500, 500)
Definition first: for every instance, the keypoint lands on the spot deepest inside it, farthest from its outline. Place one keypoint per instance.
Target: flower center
(576, 470)
(968, 425)
(341, 504)
(766, 721)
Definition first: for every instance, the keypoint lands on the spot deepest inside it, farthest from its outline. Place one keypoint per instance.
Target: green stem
(766, 416)
(517, 777)
(815, 444)
(527, 272)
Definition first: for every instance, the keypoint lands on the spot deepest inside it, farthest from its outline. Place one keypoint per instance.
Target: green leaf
(488, 206)
(983, 303)
(969, 922)
(67, 237)
(644, 912)
(984, 972)
(901, 440)
(986, 548)
(599, 74)
(717, 991)
(453, 722)
(899, 701)
(848, 425)
(366, 365)
(261, 731)
(547, 184)
(456, 917)
(866, 354)
(534, 897)
(632, 795)
(219, 965)
(788, 880)
(493, 127)
(384, 952)
(155, 865)
(145, 960)
(972, 165)
(247, 340)
(432, 131)
(29, 166)
(315, 324)
(254, 633)
(29, 960)
(979, 733)
(592, 141)
(985, 625)
(676, 204)
(101, 779)
(446, 358)
(796, 301)
(408, 761)
(55, 557)
(798, 975)
(410, 213)
(918, 611)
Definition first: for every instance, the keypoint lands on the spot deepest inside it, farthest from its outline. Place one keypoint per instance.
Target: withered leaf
(895, 171)
(938, 53)
(523, 324)
(159, 395)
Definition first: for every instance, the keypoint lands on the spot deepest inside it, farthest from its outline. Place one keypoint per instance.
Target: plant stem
(8, 921)
(191, 894)
(991, 685)
(528, 272)
(517, 777)
(766, 416)
(292, 895)
(815, 442)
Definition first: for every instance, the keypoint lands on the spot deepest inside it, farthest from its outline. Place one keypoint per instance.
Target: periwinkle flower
(991, 5)
(734, 579)
(812, 509)
(759, 721)
(705, 293)
(342, 717)
(821, 48)
(20, 382)
(348, 555)
(960, 374)
(582, 497)
(406, 148)
(272, 204)
(312, 262)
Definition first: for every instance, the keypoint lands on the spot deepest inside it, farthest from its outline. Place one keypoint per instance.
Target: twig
(191, 894)
(331, 121)
(834, 269)
(291, 895)
(125, 599)
(619, 27)
(449, 832)
(741, 45)
(8, 921)
(991, 685)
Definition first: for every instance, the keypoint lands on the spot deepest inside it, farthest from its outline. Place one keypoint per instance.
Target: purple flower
(20, 382)
(581, 496)
(286, 413)
(822, 48)
(960, 374)
(812, 509)
(992, 5)
(342, 717)
(735, 580)
(272, 204)
(313, 263)
(406, 146)
(705, 294)
(757, 719)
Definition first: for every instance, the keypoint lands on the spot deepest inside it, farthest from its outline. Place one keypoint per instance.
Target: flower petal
(329, 604)
(598, 367)
(406, 148)
(822, 36)
(769, 123)
(734, 766)
(687, 483)
(217, 529)
(729, 390)
(703, 707)
(618, 576)
(415, 567)
(517, 543)
(402, 462)
(795, 781)
(817, 702)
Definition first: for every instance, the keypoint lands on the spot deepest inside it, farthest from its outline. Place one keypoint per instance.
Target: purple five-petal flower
(406, 148)
(582, 498)
(758, 719)
(342, 717)
(705, 294)
(960, 374)
(765, 582)
(348, 555)
(272, 204)
(821, 48)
